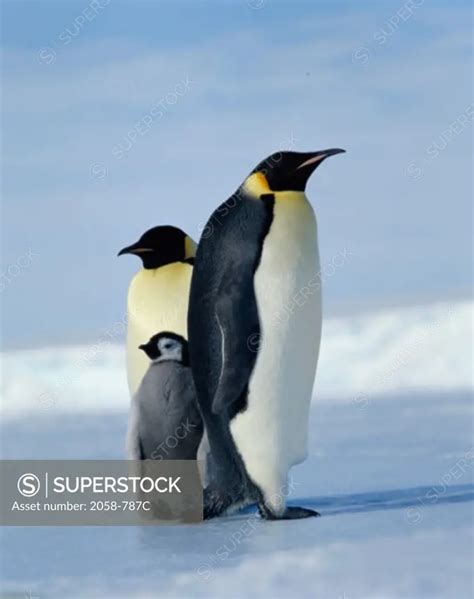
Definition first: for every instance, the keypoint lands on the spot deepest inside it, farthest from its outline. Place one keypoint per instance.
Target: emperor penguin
(158, 294)
(254, 326)
(164, 421)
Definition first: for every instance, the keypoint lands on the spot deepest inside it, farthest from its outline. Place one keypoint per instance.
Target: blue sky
(121, 115)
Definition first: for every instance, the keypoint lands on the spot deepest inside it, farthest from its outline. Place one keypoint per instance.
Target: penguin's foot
(215, 503)
(290, 513)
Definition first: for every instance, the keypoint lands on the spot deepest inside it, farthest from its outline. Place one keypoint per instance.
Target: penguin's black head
(162, 245)
(289, 171)
(167, 346)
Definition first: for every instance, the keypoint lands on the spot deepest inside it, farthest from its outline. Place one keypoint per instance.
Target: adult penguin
(253, 341)
(158, 294)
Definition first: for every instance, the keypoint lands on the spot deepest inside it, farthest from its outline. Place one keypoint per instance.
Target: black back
(223, 297)
(223, 314)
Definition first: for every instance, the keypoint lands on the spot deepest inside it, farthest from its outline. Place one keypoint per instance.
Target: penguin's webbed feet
(290, 513)
(215, 503)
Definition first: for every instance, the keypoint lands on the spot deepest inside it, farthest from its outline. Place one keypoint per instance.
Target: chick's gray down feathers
(165, 422)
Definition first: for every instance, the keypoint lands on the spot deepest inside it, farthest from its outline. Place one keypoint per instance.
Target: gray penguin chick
(165, 422)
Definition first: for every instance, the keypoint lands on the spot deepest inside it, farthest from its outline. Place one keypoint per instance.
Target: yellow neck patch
(256, 185)
(189, 248)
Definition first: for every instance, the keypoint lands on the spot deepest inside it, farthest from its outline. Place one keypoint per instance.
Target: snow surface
(390, 470)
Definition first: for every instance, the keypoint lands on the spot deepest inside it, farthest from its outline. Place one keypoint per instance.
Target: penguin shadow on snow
(415, 497)
(227, 540)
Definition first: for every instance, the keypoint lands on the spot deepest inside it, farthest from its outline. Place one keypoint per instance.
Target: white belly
(157, 301)
(271, 434)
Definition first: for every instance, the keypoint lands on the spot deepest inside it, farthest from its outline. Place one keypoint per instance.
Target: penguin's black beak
(311, 160)
(124, 251)
(135, 248)
(148, 349)
(127, 250)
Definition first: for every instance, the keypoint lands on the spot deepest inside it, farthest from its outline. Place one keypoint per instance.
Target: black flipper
(239, 331)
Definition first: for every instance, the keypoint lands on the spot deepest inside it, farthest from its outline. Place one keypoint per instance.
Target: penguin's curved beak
(313, 159)
(135, 248)
(126, 250)
(298, 168)
(143, 347)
